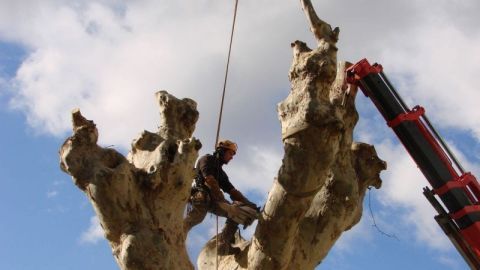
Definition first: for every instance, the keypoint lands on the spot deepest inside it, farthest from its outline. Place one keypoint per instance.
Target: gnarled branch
(321, 30)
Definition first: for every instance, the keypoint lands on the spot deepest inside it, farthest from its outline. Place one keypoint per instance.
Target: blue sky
(108, 58)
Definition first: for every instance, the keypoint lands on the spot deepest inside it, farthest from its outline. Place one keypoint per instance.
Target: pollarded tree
(317, 195)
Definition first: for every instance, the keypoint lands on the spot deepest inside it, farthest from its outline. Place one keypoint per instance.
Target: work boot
(226, 238)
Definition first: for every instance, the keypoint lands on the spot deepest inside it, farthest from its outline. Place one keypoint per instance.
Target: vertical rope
(216, 246)
(226, 73)
(221, 110)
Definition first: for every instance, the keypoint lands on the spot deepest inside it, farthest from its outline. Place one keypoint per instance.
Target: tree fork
(316, 196)
(139, 200)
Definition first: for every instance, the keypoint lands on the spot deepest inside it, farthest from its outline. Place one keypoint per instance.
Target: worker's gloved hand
(247, 204)
(244, 215)
(252, 209)
(236, 195)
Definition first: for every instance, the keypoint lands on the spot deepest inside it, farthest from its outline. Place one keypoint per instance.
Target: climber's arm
(236, 195)
(215, 192)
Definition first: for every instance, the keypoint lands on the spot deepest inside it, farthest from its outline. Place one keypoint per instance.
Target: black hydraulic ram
(458, 190)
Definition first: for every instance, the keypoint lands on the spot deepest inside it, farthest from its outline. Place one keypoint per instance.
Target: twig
(373, 219)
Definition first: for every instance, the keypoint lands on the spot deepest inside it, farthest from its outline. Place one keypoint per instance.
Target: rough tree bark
(140, 199)
(316, 196)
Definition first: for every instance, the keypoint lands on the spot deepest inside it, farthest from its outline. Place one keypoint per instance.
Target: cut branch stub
(177, 117)
(321, 30)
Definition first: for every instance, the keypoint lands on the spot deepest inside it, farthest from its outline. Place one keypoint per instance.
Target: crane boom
(458, 190)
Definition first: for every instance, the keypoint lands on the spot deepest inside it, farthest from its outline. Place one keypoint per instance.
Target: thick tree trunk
(321, 184)
(317, 195)
(139, 200)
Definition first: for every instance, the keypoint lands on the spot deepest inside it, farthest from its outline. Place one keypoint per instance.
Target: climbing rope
(221, 112)
(226, 73)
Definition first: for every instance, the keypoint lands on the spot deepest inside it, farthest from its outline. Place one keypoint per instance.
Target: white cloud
(59, 183)
(256, 169)
(52, 193)
(3, 85)
(57, 209)
(94, 233)
(439, 69)
(109, 57)
(110, 64)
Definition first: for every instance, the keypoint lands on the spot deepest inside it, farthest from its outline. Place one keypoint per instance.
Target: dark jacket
(210, 165)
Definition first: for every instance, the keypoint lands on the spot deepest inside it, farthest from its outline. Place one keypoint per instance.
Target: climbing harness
(221, 112)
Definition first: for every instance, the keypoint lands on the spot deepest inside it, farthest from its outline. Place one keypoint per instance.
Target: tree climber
(207, 196)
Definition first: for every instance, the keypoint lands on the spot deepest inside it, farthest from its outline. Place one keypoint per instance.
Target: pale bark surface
(316, 196)
(139, 200)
